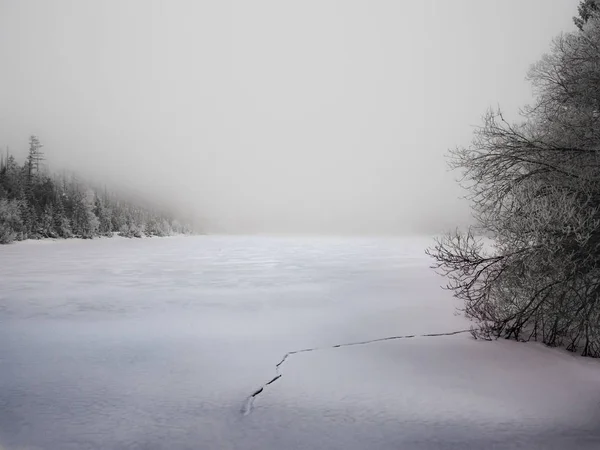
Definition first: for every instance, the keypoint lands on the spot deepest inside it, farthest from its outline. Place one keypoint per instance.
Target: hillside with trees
(534, 187)
(35, 204)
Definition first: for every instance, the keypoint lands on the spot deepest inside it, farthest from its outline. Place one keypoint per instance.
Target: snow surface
(158, 343)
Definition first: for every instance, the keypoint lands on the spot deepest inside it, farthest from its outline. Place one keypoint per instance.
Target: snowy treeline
(535, 188)
(35, 204)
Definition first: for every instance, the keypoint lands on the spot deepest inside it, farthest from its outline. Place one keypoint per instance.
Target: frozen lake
(157, 344)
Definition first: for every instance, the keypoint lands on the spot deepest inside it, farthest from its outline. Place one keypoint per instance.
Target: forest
(36, 204)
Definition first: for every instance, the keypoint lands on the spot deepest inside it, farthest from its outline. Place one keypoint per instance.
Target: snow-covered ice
(158, 343)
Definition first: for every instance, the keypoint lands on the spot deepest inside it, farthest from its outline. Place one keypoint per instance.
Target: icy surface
(158, 343)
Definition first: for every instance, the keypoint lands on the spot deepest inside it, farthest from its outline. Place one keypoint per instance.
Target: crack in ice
(249, 402)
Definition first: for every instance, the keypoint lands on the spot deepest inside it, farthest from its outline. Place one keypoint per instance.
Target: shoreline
(115, 235)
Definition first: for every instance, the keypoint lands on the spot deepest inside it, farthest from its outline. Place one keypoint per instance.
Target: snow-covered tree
(10, 220)
(586, 9)
(535, 188)
(104, 214)
(35, 156)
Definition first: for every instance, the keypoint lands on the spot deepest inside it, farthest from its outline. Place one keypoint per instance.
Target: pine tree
(62, 225)
(35, 156)
(103, 213)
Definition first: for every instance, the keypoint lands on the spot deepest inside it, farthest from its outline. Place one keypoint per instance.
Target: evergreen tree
(104, 215)
(35, 156)
(10, 220)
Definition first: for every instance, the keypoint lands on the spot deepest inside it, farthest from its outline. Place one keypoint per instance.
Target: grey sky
(263, 116)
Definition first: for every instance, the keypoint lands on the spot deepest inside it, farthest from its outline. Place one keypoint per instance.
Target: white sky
(270, 116)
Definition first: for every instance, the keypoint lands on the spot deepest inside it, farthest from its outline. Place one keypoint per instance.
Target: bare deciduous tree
(535, 190)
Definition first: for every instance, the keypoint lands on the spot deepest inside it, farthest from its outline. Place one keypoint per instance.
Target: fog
(312, 116)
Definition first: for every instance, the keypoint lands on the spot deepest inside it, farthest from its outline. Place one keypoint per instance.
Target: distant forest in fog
(36, 204)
